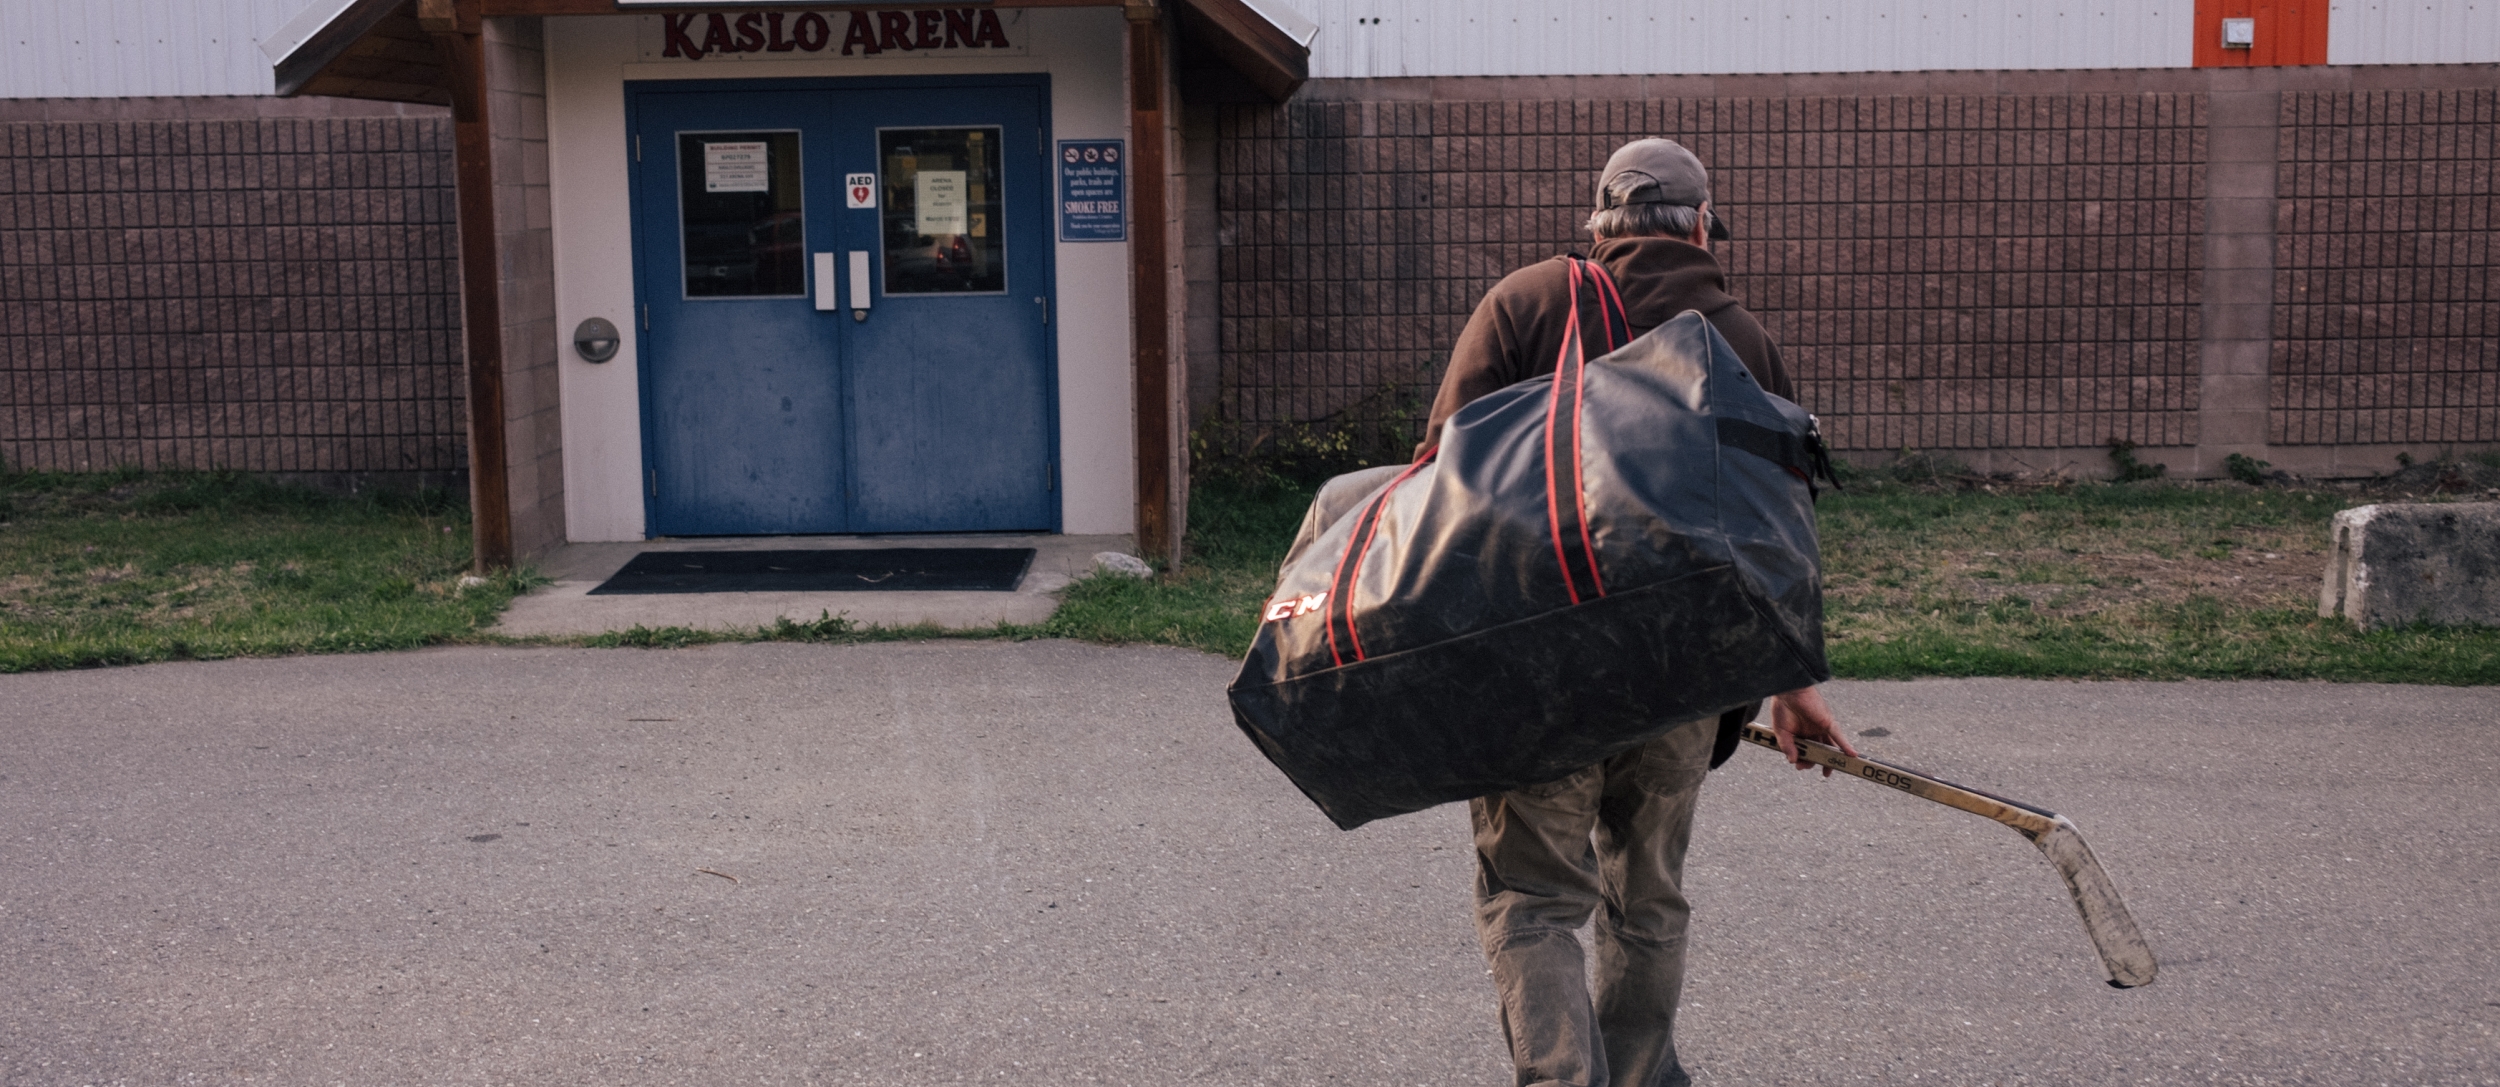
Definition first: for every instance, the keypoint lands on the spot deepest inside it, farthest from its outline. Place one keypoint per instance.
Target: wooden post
(1149, 299)
(462, 32)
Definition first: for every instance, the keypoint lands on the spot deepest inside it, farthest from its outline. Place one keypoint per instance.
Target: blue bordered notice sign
(1093, 190)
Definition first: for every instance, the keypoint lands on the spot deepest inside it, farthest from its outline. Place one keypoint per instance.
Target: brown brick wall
(2292, 263)
(272, 294)
(1944, 271)
(2386, 306)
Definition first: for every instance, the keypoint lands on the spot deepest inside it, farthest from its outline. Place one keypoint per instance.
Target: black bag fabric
(1589, 559)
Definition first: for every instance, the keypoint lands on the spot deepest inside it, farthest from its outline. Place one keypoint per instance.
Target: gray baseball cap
(1674, 176)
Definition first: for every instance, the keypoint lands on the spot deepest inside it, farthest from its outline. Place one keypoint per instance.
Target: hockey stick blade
(2123, 950)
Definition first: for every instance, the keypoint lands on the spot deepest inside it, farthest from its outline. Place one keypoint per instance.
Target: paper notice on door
(939, 200)
(737, 167)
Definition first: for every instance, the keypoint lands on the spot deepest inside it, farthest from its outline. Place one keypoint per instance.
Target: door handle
(827, 298)
(859, 283)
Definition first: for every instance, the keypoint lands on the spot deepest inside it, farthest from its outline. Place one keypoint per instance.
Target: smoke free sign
(1093, 190)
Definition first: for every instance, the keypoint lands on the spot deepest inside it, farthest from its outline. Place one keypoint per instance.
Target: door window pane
(745, 231)
(941, 211)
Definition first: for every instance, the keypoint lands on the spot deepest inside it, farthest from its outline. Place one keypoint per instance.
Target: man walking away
(1612, 834)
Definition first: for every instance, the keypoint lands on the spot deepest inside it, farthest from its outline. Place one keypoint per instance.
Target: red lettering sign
(679, 45)
(812, 32)
(862, 35)
(990, 34)
(866, 33)
(894, 29)
(716, 37)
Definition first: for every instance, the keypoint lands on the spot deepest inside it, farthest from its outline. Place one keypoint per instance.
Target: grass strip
(128, 567)
(2151, 580)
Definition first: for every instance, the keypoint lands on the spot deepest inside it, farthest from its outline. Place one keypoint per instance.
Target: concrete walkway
(567, 608)
(1051, 863)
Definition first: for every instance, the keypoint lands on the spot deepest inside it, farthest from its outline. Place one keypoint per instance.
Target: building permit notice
(737, 167)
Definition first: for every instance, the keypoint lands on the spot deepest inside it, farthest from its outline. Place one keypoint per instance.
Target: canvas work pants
(1547, 857)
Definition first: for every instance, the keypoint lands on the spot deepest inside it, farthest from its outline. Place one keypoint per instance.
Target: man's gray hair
(1648, 219)
(1645, 221)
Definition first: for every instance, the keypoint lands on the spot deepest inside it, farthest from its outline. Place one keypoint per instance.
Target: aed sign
(787, 34)
(860, 190)
(1093, 190)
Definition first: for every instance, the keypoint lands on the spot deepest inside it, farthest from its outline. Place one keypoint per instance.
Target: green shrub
(2129, 469)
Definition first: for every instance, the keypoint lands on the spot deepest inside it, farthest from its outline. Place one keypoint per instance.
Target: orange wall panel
(2288, 32)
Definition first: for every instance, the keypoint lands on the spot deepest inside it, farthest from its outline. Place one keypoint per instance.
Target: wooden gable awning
(360, 49)
(382, 49)
(1262, 40)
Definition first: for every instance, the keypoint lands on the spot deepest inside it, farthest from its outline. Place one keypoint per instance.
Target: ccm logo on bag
(1288, 607)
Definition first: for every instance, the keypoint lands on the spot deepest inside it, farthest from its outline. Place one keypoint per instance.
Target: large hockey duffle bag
(1587, 560)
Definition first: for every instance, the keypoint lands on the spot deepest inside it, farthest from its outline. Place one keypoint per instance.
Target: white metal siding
(107, 48)
(2414, 32)
(1644, 37)
(116, 48)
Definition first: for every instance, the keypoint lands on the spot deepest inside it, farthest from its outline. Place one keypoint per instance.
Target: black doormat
(881, 570)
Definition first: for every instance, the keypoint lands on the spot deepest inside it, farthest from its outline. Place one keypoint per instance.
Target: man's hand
(1803, 713)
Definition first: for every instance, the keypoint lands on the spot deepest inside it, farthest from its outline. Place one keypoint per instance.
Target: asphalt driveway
(1056, 863)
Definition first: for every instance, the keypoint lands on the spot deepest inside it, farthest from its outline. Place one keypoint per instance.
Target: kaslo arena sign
(789, 35)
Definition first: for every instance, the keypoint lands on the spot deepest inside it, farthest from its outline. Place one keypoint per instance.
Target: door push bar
(859, 285)
(828, 297)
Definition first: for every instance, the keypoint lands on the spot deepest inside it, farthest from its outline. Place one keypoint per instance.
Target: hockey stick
(2105, 918)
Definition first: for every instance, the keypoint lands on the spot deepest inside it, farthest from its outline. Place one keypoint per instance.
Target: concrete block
(2253, 108)
(2230, 428)
(2249, 321)
(2399, 563)
(2241, 215)
(2251, 143)
(2240, 251)
(2241, 180)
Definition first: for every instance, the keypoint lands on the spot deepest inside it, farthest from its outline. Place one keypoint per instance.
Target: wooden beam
(438, 16)
(481, 288)
(1149, 284)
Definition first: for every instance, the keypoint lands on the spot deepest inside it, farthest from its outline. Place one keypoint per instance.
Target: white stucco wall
(589, 60)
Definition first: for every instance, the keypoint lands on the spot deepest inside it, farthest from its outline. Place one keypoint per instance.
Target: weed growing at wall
(2246, 469)
(2127, 469)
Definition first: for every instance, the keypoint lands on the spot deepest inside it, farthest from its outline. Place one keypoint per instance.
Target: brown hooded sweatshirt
(1517, 331)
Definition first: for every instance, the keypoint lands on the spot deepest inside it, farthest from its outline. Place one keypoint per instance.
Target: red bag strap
(1566, 506)
(1350, 566)
(1574, 551)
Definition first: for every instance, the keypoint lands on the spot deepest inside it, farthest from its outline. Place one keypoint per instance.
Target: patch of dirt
(2248, 579)
(2061, 585)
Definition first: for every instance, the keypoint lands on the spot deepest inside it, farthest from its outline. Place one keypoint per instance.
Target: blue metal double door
(846, 291)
